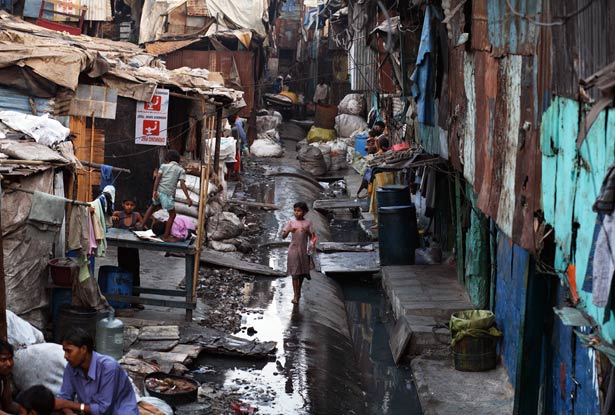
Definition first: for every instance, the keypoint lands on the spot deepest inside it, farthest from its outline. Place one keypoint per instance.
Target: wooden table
(126, 239)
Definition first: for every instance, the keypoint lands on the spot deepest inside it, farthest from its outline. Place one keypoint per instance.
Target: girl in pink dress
(299, 263)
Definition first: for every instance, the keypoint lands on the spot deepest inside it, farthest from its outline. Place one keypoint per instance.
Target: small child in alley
(299, 263)
(169, 174)
(128, 258)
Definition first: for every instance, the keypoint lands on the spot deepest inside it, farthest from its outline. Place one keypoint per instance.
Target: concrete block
(443, 390)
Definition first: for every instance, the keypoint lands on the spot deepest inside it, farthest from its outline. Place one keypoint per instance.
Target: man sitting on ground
(93, 383)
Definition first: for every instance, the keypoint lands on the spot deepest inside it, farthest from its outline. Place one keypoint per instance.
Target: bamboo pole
(89, 193)
(203, 191)
(3, 324)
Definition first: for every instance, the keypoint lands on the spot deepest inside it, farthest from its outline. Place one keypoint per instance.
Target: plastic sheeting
(247, 14)
(43, 129)
(25, 259)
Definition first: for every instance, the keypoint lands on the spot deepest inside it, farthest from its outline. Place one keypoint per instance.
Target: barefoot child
(298, 264)
(164, 190)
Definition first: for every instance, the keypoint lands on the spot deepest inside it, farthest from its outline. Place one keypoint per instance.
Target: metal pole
(218, 138)
(3, 333)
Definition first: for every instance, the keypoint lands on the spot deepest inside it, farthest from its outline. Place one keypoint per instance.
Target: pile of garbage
(325, 150)
(267, 143)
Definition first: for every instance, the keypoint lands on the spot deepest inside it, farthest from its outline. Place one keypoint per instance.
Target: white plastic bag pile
(267, 143)
(43, 129)
(350, 118)
(334, 154)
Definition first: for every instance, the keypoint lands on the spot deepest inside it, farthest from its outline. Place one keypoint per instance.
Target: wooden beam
(218, 138)
(98, 166)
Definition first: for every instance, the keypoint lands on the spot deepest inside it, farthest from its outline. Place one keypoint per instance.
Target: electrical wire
(561, 22)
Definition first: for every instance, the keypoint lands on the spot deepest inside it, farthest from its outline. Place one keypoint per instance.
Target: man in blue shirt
(93, 383)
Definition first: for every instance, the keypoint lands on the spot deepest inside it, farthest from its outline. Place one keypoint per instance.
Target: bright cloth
(182, 225)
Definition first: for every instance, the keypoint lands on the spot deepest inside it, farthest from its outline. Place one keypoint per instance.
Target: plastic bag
(266, 148)
(312, 160)
(320, 134)
(475, 323)
(160, 407)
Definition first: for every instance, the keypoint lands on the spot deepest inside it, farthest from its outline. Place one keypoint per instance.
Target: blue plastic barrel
(114, 280)
(397, 235)
(393, 195)
(360, 141)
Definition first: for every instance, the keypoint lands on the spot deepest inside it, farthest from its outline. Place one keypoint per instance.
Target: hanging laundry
(79, 219)
(106, 176)
(604, 262)
(107, 200)
(100, 227)
(605, 202)
(46, 216)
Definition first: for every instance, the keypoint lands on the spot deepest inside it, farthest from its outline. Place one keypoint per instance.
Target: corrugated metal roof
(509, 33)
(362, 60)
(12, 100)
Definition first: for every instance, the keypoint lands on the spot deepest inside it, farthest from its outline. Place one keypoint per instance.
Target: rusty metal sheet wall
(479, 37)
(457, 98)
(287, 32)
(494, 139)
(486, 84)
(509, 33)
(583, 45)
(220, 61)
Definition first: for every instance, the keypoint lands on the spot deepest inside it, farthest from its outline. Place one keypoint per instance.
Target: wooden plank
(329, 204)
(156, 345)
(400, 339)
(159, 333)
(192, 350)
(150, 301)
(328, 247)
(349, 262)
(158, 357)
(210, 256)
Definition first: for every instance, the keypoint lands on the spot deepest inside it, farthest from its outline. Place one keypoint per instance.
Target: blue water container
(360, 142)
(397, 235)
(114, 280)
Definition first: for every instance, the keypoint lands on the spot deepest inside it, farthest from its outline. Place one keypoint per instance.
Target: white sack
(161, 405)
(266, 148)
(225, 225)
(20, 332)
(227, 149)
(267, 122)
(312, 160)
(40, 364)
(346, 124)
(353, 104)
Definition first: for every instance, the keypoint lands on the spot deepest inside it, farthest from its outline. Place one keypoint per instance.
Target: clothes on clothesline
(46, 216)
(106, 176)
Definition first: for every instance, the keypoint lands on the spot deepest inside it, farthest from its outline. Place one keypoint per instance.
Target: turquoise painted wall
(571, 181)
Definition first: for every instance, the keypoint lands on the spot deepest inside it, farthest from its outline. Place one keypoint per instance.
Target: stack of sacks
(350, 120)
(267, 143)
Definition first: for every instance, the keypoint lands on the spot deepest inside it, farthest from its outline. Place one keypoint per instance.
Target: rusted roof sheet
(510, 33)
(480, 29)
(162, 47)
(198, 8)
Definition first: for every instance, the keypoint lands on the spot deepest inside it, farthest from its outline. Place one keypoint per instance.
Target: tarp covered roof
(60, 58)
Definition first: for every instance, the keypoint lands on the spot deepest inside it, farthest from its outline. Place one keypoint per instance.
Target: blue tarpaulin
(424, 76)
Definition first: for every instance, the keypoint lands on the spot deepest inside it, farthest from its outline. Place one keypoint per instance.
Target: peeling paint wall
(571, 182)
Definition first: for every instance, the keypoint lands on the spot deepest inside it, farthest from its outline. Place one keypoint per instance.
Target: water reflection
(389, 388)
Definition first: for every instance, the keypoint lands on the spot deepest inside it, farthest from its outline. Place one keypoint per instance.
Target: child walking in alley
(298, 263)
(165, 185)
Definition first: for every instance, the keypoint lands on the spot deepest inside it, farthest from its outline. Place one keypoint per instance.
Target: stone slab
(399, 339)
(443, 390)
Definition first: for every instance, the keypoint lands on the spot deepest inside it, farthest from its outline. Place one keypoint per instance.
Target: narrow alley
(372, 207)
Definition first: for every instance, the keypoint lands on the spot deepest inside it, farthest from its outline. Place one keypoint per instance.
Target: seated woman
(183, 227)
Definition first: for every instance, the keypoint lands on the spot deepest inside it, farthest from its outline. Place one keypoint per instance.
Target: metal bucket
(475, 354)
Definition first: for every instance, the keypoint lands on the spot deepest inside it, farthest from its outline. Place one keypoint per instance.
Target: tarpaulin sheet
(247, 14)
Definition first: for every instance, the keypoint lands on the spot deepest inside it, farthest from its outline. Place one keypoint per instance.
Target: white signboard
(152, 117)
